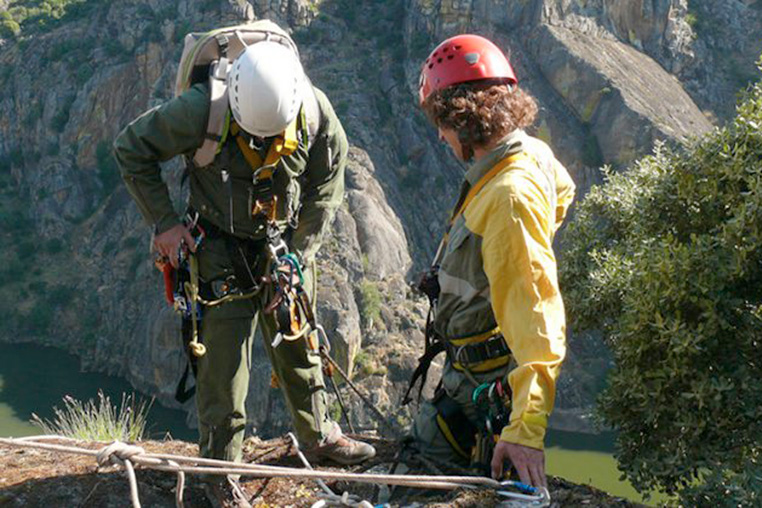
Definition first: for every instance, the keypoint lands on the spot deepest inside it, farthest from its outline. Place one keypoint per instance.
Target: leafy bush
(23, 15)
(98, 421)
(8, 27)
(26, 250)
(34, 114)
(39, 319)
(59, 295)
(666, 259)
(370, 302)
(54, 246)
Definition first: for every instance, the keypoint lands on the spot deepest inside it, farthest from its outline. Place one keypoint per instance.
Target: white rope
(124, 455)
(121, 455)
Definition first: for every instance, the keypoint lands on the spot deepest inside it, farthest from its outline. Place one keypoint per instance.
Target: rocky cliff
(612, 78)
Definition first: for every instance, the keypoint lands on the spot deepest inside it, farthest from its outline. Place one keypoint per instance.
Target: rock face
(627, 99)
(612, 78)
(595, 55)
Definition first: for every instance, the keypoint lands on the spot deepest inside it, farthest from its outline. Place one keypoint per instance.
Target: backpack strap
(219, 114)
(310, 124)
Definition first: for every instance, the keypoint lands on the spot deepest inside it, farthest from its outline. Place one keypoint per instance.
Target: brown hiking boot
(342, 449)
(226, 493)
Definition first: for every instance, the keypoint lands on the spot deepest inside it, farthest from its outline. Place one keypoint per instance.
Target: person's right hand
(529, 462)
(167, 243)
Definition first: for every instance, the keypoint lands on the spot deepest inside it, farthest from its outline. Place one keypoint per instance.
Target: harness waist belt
(479, 353)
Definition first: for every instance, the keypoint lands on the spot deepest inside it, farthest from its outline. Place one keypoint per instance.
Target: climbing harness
(455, 426)
(494, 352)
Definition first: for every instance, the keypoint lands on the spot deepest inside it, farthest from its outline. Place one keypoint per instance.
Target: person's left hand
(529, 462)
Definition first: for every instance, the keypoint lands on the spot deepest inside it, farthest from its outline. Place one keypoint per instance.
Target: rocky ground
(41, 478)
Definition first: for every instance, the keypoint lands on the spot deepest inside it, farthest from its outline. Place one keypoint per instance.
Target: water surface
(34, 379)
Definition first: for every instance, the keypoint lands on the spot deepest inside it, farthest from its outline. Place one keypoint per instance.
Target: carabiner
(527, 495)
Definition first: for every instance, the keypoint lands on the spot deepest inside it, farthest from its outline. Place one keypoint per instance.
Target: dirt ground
(39, 478)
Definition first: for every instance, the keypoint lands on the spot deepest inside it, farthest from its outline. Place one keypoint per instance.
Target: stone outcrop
(627, 99)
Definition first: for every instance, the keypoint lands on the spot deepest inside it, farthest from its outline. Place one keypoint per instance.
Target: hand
(529, 462)
(167, 243)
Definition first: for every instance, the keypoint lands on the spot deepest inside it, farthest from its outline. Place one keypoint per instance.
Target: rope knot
(116, 453)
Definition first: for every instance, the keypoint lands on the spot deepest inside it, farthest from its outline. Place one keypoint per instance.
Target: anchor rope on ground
(129, 456)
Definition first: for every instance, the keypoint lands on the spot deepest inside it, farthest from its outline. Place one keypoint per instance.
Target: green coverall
(309, 185)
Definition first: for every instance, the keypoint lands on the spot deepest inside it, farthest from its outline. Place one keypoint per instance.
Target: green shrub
(591, 152)
(9, 28)
(61, 118)
(52, 149)
(84, 73)
(38, 287)
(666, 260)
(53, 246)
(34, 114)
(98, 421)
(370, 302)
(16, 157)
(26, 249)
(59, 295)
(14, 220)
(39, 319)
(37, 15)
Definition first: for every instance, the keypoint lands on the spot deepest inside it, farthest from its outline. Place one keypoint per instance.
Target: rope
(128, 456)
(122, 454)
(381, 417)
(197, 465)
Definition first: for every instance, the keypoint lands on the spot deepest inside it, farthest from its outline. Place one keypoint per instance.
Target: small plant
(98, 420)
(370, 302)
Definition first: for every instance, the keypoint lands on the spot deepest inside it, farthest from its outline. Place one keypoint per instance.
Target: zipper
(228, 183)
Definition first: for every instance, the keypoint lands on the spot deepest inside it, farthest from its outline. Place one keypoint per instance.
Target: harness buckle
(267, 208)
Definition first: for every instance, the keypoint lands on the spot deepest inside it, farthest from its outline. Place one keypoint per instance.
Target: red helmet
(460, 59)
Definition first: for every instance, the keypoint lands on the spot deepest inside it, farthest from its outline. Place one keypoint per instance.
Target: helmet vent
(472, 58)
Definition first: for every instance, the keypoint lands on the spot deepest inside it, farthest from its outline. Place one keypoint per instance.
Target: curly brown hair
(480, 113)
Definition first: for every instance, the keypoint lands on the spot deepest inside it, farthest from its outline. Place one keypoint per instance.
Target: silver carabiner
(540, 499)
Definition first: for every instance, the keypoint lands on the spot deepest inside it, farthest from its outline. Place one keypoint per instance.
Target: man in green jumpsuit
(308, 187)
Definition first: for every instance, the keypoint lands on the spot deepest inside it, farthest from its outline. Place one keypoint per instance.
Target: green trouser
(428, 436)
(222, 379)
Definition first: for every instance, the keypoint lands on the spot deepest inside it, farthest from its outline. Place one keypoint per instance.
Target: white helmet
(265, 88)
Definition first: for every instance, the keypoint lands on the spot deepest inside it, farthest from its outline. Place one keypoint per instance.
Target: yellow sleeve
(516, 226)
(565, 193)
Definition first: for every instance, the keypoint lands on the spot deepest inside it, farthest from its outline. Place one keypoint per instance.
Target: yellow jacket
(498, 269)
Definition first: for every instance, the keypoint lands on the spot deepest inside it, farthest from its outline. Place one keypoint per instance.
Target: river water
(35, 378)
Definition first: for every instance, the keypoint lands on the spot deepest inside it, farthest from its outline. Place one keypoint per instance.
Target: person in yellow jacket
(496, 307)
